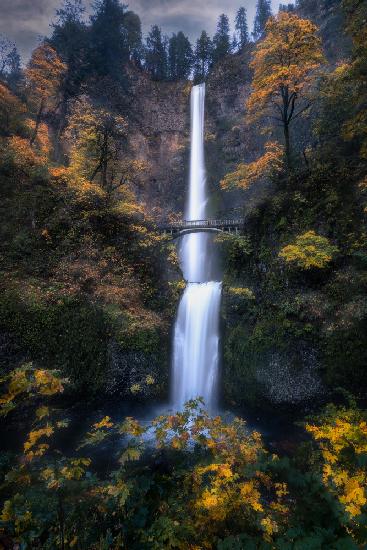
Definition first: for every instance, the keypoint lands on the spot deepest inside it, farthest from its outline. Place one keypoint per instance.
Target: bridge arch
(184, 232)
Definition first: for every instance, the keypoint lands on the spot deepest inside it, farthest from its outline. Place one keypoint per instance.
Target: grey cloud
(25, 21)
(191, 16)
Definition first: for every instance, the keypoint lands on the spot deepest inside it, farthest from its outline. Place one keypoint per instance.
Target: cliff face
(159, 136)
(230, 138)
(329, 17)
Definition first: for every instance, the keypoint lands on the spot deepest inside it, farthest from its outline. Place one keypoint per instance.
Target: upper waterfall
(194, 248)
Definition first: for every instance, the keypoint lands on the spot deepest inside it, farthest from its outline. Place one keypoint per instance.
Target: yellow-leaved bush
(30, 382)
(309, 251)
(243, 293)
(232, 486)
(341, 434)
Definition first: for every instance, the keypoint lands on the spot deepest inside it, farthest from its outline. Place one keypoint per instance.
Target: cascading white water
(196, 335)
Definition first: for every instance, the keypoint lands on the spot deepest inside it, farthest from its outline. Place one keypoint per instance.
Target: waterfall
(196, 334)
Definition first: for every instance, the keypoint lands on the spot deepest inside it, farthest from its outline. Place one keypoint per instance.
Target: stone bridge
(179, 229)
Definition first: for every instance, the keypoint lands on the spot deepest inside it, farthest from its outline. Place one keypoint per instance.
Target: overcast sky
(25, 21)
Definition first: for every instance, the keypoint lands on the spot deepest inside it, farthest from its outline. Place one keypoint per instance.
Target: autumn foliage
(209, 482)
(284, 65)
(43, 74)
(12, 111)
(85, 295)
(309, 251)
(342, 437)
(270, 164)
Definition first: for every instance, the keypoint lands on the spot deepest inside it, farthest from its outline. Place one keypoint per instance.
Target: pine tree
(235, 44)
(221, 40)
(287, 7)
(115, 37)
(133, 43)
(180, 57)
(242, 28)
(71, 10)
(263, 12)
(70, 40)
(14, 72)
(9, 61)
(203, 57)
(156, 61)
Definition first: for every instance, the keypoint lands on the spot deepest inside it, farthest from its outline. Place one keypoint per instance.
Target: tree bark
(61, 523)
(287, 144)
(105, 160)
(38, 122)
(60, 128)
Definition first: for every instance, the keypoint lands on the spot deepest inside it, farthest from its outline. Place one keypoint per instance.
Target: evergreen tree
(263, 12)
(156, 54)
(70, 40)
(115, 36)
(133, 43)
(203, 57)
(180, 57)
(221, 40)
(287, 7)
(71, 10)
(235, 43)
(242, 28)
(13, 75)
(10, 70)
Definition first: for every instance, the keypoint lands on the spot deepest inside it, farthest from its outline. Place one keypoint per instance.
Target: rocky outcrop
(136, 374)
(282, 383)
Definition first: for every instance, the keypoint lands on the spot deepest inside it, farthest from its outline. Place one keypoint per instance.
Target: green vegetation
(81, 283)
(305, 261)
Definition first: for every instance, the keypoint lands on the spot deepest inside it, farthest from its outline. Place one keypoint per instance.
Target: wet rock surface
(283, 383)
(134, 374)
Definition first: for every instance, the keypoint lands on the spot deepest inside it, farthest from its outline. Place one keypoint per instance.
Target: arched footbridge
(185, 227)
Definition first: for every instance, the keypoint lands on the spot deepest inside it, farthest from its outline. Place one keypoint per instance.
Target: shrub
(309, 251)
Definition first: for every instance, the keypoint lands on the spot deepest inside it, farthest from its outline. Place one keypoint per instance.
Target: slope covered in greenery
(295, 311)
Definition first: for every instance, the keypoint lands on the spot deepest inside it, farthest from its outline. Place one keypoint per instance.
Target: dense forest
(94, 150)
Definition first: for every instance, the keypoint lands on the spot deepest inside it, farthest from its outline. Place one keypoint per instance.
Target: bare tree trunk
(60, 128)
(105, 161)
(285, 115)
(38, 122)
(61, 523)
(287, 144)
